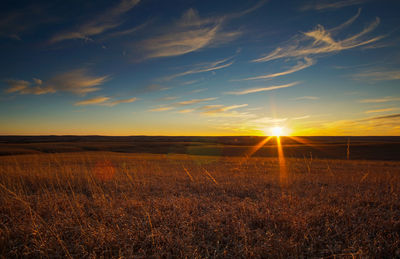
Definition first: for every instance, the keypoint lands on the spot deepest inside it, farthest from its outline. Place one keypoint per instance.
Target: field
(86, 204)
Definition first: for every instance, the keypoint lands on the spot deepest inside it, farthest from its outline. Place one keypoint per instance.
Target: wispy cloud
(168, 98)
(191, 33)
(76, 81)
(261, 89)
(199, 90)
(379, 75)
(301, 117)
(384, 117)
(300, 66)
(216, 65)
(93, 101)
(182, 104)
(306, 98)
(379, 125)
(320, 41)
(223, 108)
(381, 100)
(189, 82)
(382, 110)
(18, 86)
(227, 111)
(161, 109)
(98, 25)
(194, 101)
(186, 37)
(186, 111)
(129, 100)
(329, 4)
(129, 31)
(105, 101)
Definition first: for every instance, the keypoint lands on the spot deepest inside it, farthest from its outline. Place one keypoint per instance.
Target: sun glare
(277, 131)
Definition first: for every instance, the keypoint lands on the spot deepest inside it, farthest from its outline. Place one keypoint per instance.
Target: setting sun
(277, 131)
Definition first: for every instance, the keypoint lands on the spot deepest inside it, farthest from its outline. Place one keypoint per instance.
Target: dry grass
(117, 205)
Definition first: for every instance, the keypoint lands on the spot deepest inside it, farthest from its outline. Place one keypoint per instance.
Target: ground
(93, 204)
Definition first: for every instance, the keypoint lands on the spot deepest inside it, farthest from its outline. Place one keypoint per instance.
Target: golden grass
(119, 205)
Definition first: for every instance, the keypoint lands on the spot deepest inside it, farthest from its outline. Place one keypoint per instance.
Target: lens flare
(277, 131)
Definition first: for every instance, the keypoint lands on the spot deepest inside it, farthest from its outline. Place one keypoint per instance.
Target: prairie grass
(104, 204)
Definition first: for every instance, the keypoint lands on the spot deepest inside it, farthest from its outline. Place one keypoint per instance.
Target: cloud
(381, 100)
(182, 103)
(329, 4)
(191, 33)
(261, 89)
(300, 66)
(195, 101)
(384, 117)
(186, 111)
(199, 90)
(208, 107)
(105, 101)
(379, 75)
(161, 109)
(127, 31)
(320, 41)
(182, 42)
(167, 98)
(382, 110)
(219, 64)
(213, 110)
(104, 22)
(189, 82)
(219, 110)
(381, 125)
(129, 100)
(301, 117)
(20, 86)
(25, 87)
(306, 98)
(93, 101)
(76, 81)
(377, 125)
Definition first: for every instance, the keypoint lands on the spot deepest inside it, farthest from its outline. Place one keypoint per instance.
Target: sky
(200, 68)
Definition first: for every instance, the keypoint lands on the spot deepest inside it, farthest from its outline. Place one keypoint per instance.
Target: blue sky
(147, 67)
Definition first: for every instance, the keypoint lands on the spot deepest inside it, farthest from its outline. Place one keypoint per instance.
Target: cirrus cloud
(104, 22)
(105, 101)
(77, 81)
(321, 41)
(261, 89)
(191, 33)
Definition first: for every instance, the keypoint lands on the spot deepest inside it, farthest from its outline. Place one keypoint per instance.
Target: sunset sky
(190, 67)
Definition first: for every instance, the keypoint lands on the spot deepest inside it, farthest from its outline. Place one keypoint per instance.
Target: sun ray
(283, 177)
(258, 146)
(304, 141)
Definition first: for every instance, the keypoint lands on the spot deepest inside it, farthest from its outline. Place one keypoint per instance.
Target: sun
(277, 131)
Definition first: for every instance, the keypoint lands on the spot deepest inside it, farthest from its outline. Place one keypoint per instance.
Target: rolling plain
(214, 197)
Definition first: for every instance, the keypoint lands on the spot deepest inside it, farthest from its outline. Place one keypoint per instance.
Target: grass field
(93, 204)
